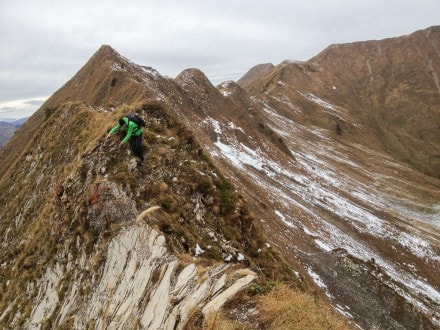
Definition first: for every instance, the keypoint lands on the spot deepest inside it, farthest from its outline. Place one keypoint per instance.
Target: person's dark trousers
(136, 146)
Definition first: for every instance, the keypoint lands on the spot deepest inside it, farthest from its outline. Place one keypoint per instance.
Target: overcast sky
(44, 43)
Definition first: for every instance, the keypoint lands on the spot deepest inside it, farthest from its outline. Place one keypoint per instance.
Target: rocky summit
(319, 178)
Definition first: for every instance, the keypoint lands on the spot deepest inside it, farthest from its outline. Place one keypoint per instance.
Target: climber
(134, 134)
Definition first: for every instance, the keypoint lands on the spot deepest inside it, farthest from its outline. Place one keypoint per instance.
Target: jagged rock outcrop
(141, 285)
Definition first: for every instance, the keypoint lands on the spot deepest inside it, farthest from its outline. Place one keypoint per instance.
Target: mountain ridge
(261, 173)
(364, 76)
(81, 202)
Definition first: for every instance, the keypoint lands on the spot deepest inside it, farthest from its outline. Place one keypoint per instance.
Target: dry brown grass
(216, 321)
(219, 321)
(285, 308)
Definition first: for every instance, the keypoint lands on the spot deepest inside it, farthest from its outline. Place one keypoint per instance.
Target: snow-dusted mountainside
(337, 195)
(325, 185)
(293, 163)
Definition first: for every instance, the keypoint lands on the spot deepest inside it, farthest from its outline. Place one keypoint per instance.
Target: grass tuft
(285, 308)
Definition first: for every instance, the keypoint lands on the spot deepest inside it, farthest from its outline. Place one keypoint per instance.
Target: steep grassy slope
(391, 85)
(74, 254)
(337, 204)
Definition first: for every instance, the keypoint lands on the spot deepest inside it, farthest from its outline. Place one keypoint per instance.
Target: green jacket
(132, 129)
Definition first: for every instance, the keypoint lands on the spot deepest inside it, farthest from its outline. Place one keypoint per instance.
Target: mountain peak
(97, 82)
(254, 73)
(193, 75)
(108, 53)
(106, 48)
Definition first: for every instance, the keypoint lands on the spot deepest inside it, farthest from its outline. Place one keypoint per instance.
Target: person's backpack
(136, 119)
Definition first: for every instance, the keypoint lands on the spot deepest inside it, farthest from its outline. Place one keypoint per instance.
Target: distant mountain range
(8, 126)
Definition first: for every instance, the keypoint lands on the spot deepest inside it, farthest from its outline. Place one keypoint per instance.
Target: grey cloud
(34, 102)
(45, 43)
(7, 109)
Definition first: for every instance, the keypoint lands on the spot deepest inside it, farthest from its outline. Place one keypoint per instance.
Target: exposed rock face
(141, 285)
(110, 204)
